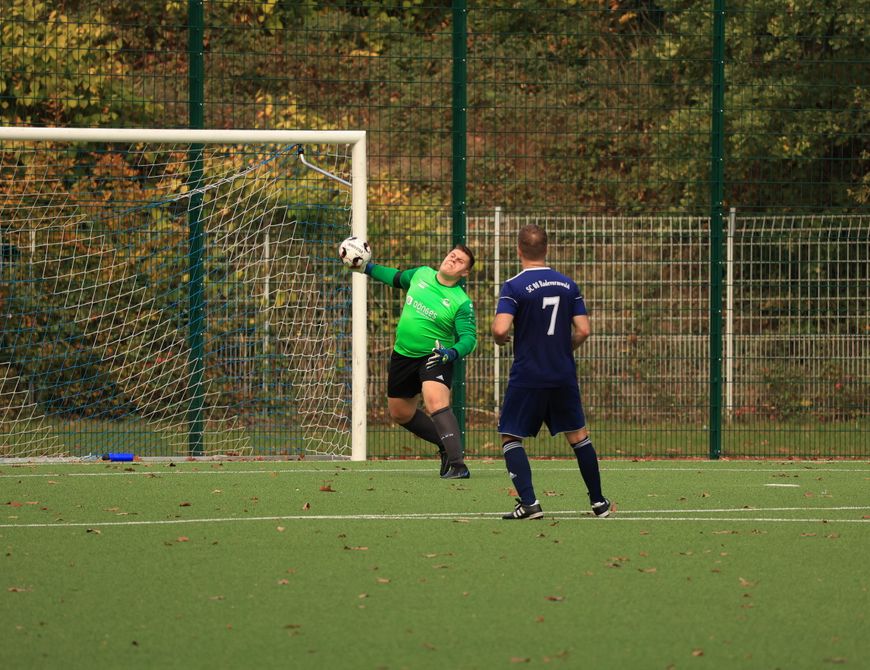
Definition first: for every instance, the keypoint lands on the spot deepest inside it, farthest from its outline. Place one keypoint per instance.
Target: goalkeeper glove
(441, 355)
(359, 268)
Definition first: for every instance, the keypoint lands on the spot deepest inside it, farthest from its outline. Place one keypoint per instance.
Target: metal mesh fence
(593, 117)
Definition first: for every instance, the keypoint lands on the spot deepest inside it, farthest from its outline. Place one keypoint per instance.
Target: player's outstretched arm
(390, 276)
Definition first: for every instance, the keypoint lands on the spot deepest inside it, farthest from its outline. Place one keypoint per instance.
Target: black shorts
(406, 375)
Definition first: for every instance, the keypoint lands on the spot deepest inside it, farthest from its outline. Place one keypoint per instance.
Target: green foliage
(61, 69)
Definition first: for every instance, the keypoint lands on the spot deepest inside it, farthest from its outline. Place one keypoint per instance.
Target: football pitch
(383, 565)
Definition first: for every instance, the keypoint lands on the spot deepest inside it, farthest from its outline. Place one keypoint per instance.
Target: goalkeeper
(437, 327)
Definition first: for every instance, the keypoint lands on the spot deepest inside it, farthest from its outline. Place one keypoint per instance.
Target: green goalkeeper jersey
(432, 311)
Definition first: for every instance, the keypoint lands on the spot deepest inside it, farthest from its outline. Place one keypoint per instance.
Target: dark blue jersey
(543, 303)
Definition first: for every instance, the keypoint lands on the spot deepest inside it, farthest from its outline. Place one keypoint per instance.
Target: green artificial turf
(384, 565)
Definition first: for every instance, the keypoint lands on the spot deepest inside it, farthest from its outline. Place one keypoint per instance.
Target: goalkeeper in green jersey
(437, 327)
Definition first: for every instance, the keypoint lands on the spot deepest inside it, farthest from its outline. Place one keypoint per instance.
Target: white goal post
(91, 279)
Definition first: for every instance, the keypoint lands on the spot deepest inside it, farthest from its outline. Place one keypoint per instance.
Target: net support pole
(359, 313)
(717, 174)
(459, 177)
(729, 315)
(196, 235)
(496, 265)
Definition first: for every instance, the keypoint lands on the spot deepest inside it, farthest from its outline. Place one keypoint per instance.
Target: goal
(169, 293)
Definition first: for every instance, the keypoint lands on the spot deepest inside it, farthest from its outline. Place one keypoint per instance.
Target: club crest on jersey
(446, 302)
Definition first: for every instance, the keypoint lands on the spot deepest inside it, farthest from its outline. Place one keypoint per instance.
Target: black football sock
(421, 425)
(448, 430)
(520, 471)
(587, 459)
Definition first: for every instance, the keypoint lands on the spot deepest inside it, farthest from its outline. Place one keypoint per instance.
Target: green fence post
(459, 212)
(717, 175)
(196, 241)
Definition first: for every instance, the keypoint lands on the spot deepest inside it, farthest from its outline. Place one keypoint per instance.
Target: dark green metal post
(459, 213)
(196, 235)
(717, 177)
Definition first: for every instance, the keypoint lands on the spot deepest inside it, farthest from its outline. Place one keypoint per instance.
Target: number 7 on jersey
(551, 301)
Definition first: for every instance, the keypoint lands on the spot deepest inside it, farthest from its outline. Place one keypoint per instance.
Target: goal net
(178, 293)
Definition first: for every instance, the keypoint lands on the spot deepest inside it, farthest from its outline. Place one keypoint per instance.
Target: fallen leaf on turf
(550, 494)
(648, 571)
(306, 507)
(383, 580)
(182, 538)
(283, 582)
(18, 589)
(327, 489)
(513, 493)
(539, 619)
(520, 659)
(745, 583)
(697, 652)
(14, 503)
(95, 531)
(280, 529)
(184, 504)
(362, 596)
(356, 548)
(556, 599)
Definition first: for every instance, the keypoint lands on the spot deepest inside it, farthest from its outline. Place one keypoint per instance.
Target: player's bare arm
(581, 330)
(501, 328)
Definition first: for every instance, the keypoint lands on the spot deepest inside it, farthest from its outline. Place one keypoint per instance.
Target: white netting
(104, 290)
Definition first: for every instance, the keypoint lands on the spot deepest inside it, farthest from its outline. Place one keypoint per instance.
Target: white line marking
(784, 486)
(729, 510)
(561, 515)
(147, 471)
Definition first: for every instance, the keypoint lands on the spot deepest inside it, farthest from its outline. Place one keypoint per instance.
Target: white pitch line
(372, 470)
(451, 516)
(736, 509)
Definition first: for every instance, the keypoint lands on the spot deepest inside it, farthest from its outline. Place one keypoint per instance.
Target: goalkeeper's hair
(532, 241)
(467, 252)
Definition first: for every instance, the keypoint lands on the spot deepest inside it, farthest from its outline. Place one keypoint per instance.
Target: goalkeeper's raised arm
(437, 326)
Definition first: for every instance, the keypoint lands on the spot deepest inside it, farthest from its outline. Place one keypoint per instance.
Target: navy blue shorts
(524, 410)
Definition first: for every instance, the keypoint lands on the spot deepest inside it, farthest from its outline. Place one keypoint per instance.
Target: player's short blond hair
(532, 241)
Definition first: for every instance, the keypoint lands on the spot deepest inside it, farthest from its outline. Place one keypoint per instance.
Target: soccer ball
(355, 252)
